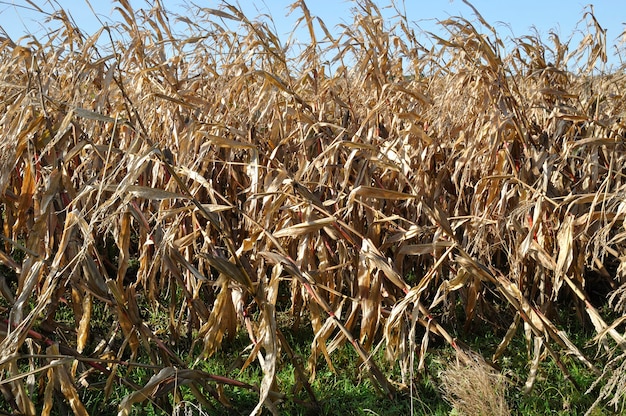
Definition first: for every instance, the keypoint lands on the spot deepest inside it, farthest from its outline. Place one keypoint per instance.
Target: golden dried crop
(377, 181)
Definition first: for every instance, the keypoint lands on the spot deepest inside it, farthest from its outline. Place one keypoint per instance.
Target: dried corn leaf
(565, 240)
(84, 324)
(230, 270)
(421, 249)
(143, 192)
(305, 227)
(370, 192)
(222, 320)
(377, 260)
(268, 339)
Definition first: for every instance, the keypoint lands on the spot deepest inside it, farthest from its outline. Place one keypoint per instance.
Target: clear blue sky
(511, 18)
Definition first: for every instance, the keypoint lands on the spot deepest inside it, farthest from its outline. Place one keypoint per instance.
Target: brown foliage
(201, 173)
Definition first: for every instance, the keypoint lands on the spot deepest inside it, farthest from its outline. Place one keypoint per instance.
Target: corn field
(381, 191)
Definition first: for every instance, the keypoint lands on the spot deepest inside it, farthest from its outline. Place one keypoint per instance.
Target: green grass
(348, 391)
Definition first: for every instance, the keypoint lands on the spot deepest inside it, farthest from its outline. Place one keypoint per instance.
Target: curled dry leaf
(193, 174)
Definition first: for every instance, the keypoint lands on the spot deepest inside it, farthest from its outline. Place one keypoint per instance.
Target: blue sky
(511, 18)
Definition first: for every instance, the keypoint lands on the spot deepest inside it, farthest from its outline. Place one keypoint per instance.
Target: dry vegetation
(474, 389)
(381, 191)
